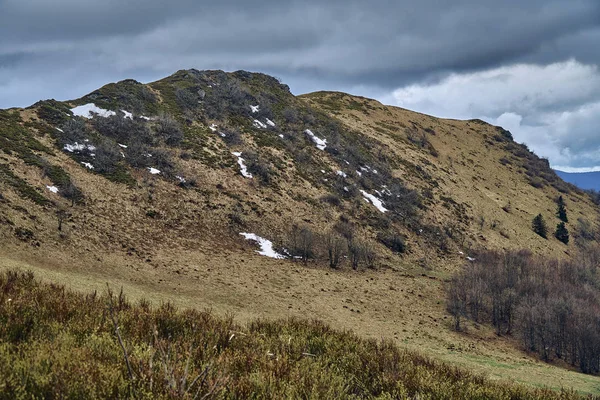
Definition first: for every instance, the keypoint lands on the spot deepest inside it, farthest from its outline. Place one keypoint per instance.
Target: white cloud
(554, 109)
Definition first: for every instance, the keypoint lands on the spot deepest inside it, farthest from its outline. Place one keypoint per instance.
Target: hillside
(149, 195)
(583, 180)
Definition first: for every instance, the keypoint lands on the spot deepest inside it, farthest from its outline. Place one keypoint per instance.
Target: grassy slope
(57, 343)
(194, 257)
(473, 166)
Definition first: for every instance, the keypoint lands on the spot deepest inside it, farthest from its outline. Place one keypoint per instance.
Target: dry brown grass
(190, 255)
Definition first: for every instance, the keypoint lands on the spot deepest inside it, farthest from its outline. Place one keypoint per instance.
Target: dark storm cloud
(379, 42)
(64, 48)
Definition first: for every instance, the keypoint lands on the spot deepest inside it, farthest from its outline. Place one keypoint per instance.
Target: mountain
(225, 191)
(583, 180)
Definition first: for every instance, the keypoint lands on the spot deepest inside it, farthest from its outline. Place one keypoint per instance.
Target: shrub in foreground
(58, 344)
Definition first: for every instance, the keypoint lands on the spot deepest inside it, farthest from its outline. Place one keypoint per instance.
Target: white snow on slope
(270, 123)
(243, 169)
(342, 174)
(122, 145)
(60, 130)
(127, 114)
(87, 165)
(86, 111)
(320, 143)
(254, 109)
(53, 189)
(374, 200)
(259, 124)
(78, 147)
(213, 128)
(266, 246)
(153, 171)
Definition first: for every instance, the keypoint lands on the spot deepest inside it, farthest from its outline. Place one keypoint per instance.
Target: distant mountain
(583, 180)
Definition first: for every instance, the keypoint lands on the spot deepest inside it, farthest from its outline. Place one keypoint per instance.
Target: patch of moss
(53, 112)
(24, 190)
(18, 140)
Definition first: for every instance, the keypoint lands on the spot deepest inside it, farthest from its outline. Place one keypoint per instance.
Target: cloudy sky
(530, 66)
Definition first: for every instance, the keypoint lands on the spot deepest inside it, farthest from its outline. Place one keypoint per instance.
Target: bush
(336, 248)
(232, 137)
(73, 131)
(392, 241)
(259, 168)
(301, 242)
(331, 199)
(123, 130)
(168, 131)
(107, 157)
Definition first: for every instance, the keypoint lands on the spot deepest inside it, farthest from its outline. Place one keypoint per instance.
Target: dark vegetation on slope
(553, 306)
(171, 124)
(55, 343)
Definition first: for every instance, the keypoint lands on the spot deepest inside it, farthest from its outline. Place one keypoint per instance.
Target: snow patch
(127, 114)
(53, 189)
(266, 246)
(60, 130)
(213, 128)
(320, 143)
(78, 147)
(146, 118)
(258, 124)
(254, 109)
(281, 136)
(122, 145)
(243, 168)
(180, 178)
(374, 200)
(87, 110)
(153, 171)
(269, 122)
(87, 165)
(342, 174)
(470, 259)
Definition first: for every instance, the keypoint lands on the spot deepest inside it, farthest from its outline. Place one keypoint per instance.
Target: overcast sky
(530, 66)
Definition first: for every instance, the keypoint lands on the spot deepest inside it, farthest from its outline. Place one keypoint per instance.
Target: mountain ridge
(583, 180)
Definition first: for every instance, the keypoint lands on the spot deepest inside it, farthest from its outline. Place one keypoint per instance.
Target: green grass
(55, 343)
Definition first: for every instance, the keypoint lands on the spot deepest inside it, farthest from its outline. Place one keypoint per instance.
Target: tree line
(553, 306)
(538, 225)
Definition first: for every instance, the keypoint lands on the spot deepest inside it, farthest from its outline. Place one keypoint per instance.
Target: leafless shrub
(301, 242)
(336, 248)
(168, 130)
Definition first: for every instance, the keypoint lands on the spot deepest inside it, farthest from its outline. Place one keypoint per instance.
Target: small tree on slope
(539, 226)
(561, 211)
(562, 233)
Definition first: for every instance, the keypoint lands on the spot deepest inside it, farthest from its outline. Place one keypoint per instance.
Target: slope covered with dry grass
(449, 187)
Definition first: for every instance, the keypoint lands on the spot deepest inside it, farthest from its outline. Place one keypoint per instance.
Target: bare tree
(336, 247)
(61, 216)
